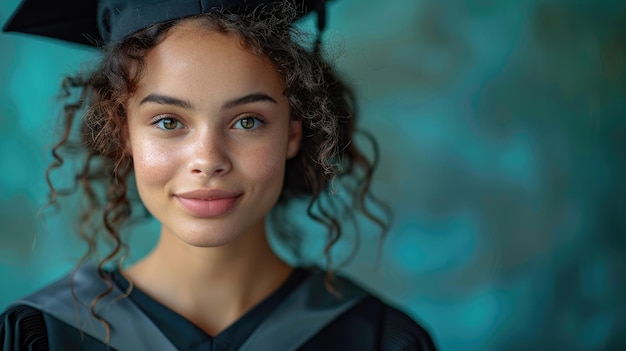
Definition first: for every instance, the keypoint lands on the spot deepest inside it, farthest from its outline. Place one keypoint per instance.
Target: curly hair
(316, 95)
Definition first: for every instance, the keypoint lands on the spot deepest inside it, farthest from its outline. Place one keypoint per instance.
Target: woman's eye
(168, 123)
(248, 123)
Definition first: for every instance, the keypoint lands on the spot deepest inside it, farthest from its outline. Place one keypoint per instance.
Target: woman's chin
(207, 236)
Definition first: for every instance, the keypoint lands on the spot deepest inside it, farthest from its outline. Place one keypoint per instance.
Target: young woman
(221, 118)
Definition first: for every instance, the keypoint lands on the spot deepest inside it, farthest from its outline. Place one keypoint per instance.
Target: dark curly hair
(316, 95)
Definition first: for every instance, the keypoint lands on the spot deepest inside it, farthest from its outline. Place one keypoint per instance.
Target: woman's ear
(295, 138)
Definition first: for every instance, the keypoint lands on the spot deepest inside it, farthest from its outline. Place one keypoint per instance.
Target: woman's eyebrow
(247, 99)
(167, 100)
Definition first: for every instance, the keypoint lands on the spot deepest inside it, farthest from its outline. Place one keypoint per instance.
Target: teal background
(502, 129)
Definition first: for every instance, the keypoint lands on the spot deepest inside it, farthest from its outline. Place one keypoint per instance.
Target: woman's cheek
(269, 163)
(153, 163)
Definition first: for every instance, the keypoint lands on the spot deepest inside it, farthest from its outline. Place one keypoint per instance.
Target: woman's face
(209, 132)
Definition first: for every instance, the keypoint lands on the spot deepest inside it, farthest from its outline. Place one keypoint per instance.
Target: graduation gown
(299, 315)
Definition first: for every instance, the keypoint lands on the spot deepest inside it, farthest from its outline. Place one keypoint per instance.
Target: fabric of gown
(368, 325)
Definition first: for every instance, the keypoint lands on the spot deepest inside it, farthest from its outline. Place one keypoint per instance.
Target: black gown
(368, 325)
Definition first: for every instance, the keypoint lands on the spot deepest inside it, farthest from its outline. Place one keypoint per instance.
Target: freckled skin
(209, 149)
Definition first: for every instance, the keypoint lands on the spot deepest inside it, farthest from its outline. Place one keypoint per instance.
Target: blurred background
(502, 132)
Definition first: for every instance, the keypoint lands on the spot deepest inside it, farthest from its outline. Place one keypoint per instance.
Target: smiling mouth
(208, 204)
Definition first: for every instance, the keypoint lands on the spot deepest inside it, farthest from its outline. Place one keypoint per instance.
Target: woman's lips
(208, 203)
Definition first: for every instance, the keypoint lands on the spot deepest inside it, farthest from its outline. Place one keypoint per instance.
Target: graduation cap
(96, 22)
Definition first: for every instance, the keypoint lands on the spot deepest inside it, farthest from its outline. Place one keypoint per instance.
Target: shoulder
(377, 322)
(394, 330)
(47, 319)
(398, 331)
(23, 328)
(23, 325)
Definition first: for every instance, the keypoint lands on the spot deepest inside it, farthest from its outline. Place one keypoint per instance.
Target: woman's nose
(209, 155)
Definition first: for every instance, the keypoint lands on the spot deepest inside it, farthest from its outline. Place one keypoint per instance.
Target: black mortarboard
(93, 22)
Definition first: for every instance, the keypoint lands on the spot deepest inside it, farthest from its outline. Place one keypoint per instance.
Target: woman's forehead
(197, 63)
(207, 50)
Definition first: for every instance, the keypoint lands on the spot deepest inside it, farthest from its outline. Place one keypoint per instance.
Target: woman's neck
(212, 287)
